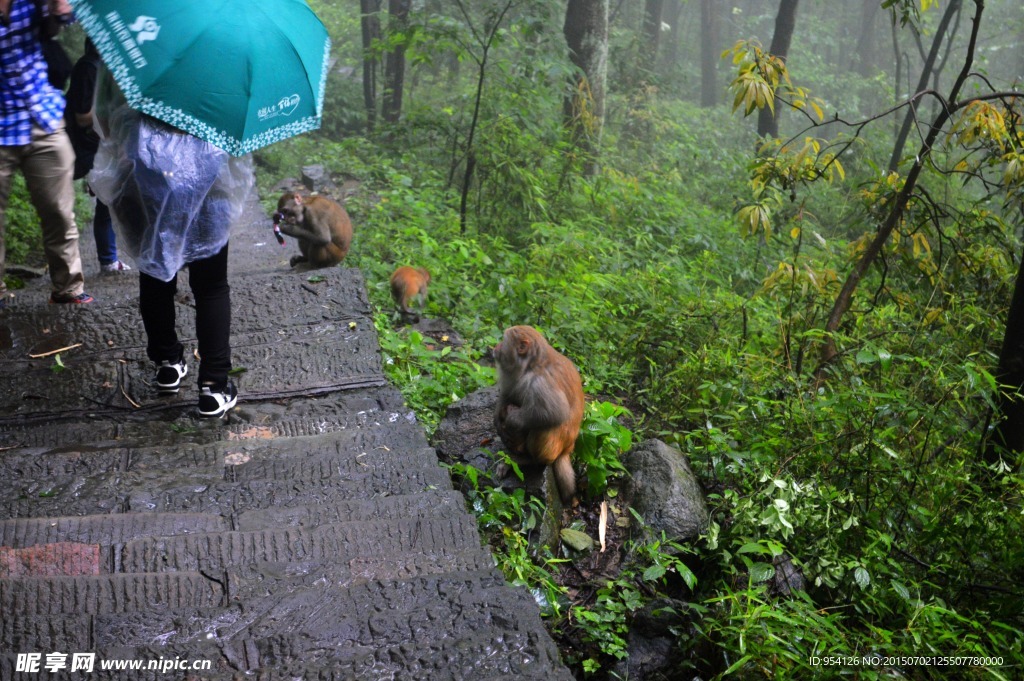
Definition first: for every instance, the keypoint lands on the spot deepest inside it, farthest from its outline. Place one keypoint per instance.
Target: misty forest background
(785, 235)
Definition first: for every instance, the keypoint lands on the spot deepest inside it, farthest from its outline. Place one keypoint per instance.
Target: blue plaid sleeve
(26, 96)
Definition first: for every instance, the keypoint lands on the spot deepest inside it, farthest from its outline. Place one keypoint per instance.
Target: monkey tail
(565, 477)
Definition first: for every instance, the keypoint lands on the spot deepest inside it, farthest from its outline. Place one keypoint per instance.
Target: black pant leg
(156, 303)
(208, 279)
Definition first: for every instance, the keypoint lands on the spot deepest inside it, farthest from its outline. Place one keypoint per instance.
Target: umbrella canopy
(240, 75)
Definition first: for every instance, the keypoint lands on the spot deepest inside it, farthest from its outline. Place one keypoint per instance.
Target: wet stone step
(312, 603)
(35, 472)
(39, 633)
(334, 635)
(293, 625)
(196, 493)
(325, 466)
(106, 530)
(521, 663)
(286, 418)
(353, 449)
(94, 595)
(103, 330)
(201, 496)
(428, 503)
(381, 612)
(269, 301)
(101, 532)
(493, 653)
(415, 564)
(97, 494)
(290, 362)
(26, 467)
(341, 542)
(346, 451)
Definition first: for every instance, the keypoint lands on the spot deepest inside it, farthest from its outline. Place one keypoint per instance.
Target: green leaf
(654, 573)
(580, 541)
(58, 364)
(753, 547)
(761, 572)
(737, 665)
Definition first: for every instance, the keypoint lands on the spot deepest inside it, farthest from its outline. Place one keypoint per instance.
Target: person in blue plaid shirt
(32, 139)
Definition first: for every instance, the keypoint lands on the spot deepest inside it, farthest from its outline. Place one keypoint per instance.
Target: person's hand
(59, 8)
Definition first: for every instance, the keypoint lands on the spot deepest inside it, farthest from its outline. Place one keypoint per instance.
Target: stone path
(310, 535)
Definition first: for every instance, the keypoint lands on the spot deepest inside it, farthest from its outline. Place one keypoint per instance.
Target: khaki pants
(47, 163)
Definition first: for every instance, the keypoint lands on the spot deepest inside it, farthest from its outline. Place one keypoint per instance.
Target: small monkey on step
(321, 226)
(540, 404)
(408, 284)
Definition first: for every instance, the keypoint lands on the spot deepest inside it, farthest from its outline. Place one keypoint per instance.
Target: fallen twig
(130, 400)
(54, 352)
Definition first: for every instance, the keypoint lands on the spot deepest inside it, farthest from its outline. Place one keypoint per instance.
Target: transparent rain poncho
(172, 196)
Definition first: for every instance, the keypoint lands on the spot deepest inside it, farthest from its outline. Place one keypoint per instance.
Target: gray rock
(443, 333)
(788, 577)
(466, 433)
(653, 647)
(314, 177)
(664, 490)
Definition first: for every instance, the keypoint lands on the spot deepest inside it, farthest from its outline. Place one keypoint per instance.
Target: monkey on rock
(540, 404)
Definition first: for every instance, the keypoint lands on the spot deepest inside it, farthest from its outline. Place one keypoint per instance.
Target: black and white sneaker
(217, 403)
(169, 375)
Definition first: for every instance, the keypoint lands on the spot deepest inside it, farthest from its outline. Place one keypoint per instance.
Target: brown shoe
(81, 299)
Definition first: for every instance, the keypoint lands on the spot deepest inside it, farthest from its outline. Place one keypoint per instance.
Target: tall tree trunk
(586, 34)
(370, 24)
(941, 66)
(673, 17)
(785, 22)
(922, 83)
(897, 75)
(394, 66)
(1009, 430)
(710, 95)
(650, 36)
(898, 205)
(862, 60)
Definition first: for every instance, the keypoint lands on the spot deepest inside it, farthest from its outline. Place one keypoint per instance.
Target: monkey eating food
(320, 225)
(540, 404)
(408, 284)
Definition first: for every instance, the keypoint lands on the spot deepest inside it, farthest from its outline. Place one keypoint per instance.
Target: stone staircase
(310, 535)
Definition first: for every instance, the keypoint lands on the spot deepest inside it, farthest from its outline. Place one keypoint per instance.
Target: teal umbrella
(240, 75)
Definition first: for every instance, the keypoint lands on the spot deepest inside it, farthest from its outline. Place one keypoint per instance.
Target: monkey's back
(337, 222)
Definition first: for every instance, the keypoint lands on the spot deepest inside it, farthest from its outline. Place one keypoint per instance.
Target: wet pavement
(309, 535)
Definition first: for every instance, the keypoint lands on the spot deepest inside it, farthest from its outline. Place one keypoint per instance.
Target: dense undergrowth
(872, 481)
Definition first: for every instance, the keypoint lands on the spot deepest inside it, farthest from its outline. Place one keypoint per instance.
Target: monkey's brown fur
(540, 404)
(321, 226)
(408, 283)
